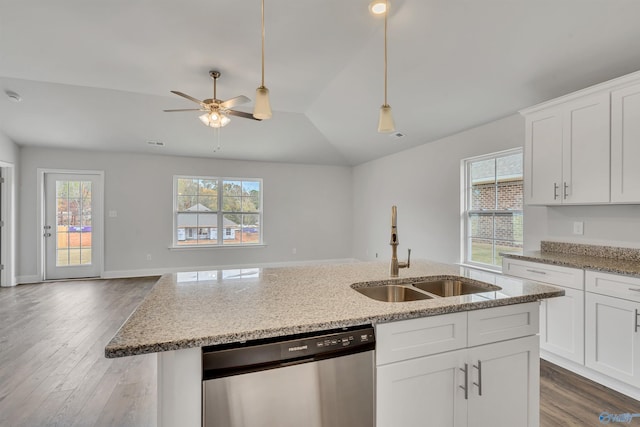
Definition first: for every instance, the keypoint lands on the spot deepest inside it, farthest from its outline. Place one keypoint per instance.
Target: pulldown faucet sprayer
(395, 265)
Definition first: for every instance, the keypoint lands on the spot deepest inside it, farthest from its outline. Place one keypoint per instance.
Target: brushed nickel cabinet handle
(636, 325)
(555, 191)
(479, 383)
(634, 289)
(536, 271)
(466, 381)
(566, 187)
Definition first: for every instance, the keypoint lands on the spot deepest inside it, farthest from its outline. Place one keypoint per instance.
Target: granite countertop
(608, 259)
(186, 310)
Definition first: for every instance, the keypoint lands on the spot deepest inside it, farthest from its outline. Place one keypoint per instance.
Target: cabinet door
(625, 145)
(612, 337)
(586, 147)
(562, 325)
(543, 158)
(505, 384)
(422, 392)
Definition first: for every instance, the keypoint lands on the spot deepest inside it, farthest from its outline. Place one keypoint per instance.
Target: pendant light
(262, 108)
(385, 122)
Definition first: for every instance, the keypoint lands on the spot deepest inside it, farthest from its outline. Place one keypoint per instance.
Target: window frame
(466, 211)
(220, 213)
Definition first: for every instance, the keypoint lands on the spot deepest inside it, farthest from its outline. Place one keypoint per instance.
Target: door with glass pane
(72, 234)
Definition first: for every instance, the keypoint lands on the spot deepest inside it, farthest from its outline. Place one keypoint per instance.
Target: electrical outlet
(578, 227)
(294, 251)
(148, 257)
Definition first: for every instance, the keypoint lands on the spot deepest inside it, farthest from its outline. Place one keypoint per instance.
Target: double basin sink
(426, 289)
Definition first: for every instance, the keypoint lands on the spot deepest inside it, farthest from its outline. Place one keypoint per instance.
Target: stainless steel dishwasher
(314, 380)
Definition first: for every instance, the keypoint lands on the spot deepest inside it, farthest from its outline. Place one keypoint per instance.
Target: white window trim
(220, 216)
(464, 201)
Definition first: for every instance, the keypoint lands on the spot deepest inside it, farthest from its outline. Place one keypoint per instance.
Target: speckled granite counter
(187, 310)
(608, 259)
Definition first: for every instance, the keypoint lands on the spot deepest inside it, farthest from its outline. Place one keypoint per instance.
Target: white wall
(305, 207)
(8, 150)
(9, 155)
(424, 182)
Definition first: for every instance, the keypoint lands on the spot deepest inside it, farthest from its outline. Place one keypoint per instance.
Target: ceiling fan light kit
(378, 7)
(385, 121)
(262, 107)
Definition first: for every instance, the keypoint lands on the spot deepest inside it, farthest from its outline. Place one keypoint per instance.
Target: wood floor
(53, 371)
(52, 366)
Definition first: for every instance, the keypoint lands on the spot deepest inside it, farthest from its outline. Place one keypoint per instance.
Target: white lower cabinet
(495, 384)
(561, 318)
(613, 337)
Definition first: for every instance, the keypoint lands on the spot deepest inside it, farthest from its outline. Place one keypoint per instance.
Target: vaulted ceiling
(97, 74)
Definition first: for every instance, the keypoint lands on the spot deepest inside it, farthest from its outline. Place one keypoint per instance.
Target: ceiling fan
(216, 111)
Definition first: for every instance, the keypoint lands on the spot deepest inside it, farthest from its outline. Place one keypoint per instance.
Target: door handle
(466, 381)
(479, 383)
(47, 234)
(47, 227)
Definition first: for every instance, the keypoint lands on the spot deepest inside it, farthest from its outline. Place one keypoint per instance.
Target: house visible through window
(204, 205)
(493, 207)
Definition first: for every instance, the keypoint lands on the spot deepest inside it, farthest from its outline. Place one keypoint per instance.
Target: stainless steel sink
(393, 293)
(453, 287)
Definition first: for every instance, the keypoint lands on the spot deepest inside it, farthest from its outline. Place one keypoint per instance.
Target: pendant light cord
(262, 85)
(386, 13)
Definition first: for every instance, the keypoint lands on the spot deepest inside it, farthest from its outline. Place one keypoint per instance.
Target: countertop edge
(584, 263)
(115, 351)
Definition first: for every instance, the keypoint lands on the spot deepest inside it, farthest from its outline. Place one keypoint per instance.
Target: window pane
(483, 197)
(502, 246)
(483, 172)
(232, 204)
(85, 256)
(232, 188)
(208, 187)
(74, 189)
(481, 225)
(481, 250)
(508, 226)
(509, 167)
(188, 186)
(231, 229)
(250, 233)
(186, 203)
(510, 195)
(207, 203)
(250, 187)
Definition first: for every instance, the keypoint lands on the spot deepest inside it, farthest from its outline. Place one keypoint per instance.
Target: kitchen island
(186, 311)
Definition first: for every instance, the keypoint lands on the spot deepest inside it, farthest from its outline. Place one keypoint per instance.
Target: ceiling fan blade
(235, 101)
(183, 109)
(241, 114)
(190, 98)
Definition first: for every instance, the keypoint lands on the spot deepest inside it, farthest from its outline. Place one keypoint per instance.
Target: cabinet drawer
(547, 273)
(503, 323)
(613, 285)
(407, 339)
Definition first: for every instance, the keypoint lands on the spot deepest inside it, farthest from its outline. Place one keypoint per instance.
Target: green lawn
(483, 252)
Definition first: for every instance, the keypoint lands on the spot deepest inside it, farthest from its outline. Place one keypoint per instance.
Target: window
(493, 199)
(204, 205)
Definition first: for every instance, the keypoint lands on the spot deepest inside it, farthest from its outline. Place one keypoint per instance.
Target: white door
(427, 391)
(612, 337)
(543, 158)
(73, 225)
(504, 387)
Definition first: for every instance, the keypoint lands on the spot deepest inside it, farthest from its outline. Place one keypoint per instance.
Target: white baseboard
(589, 373)
(34, 278)
(118, 274)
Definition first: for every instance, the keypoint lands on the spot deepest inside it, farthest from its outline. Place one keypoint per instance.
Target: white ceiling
(97, 74)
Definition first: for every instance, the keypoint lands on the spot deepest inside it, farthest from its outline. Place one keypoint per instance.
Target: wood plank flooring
(52, 366)
(53, 371)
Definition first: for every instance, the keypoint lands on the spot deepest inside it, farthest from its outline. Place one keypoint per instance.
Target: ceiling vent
(397, 135)
(13, 96)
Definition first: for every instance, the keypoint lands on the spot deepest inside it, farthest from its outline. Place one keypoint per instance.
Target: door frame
(97, 254)
(7, 214)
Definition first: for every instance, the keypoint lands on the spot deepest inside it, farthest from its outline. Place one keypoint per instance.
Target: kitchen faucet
(395, 265)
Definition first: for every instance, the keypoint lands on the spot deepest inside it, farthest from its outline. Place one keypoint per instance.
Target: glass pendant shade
(262, 108)
(385, 122)
(214, 120)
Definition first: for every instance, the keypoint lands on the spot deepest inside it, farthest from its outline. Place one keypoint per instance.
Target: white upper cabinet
(582, 148)
(625, 145)
(567, 153)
